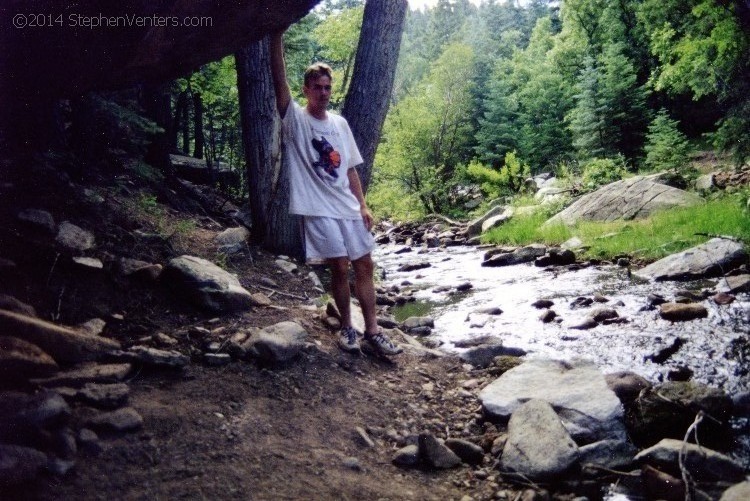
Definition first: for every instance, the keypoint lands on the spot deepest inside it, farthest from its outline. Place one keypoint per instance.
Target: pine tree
(666, 147)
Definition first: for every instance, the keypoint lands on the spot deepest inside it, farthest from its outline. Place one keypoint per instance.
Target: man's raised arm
(278, 72)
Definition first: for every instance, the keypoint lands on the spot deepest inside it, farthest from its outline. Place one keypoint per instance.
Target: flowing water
(715, 348)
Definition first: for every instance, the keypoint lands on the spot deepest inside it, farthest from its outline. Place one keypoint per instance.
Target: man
(326, 191)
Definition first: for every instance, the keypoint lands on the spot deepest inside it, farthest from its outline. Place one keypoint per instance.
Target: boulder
(497, 220)
(23, 416)
(19, 464)
(702, 463)
(738, 492)
(626, 385)
(38, 219)
(538, 446)
(610, 454)
(734, 284)
(523, 255)
(278, 343)
(633, 198)
(10, 303)
(577, 391)
(61, 343)
(121, 420)
(207, 285)
(435, 454)
(711, 258)
(406, 456)
(74, 238)
(470, 453)
(21, 360)
(483, 355)
(682, 312)
(142, 270)
(475, 227)
(666, 411)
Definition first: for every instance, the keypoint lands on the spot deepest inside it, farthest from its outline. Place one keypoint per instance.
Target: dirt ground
(240, 431)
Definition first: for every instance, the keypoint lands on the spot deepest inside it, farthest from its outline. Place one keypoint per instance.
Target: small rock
(406, 456)
(542, 303)
(681, 312)
(547, 316)
(217, 359)
(106, 396)
(352, 463)
(435, 454)
(469, 452)
(74, 238)
(121, 420)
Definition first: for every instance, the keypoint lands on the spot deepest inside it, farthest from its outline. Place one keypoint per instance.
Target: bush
(601, 171)
(509, 180)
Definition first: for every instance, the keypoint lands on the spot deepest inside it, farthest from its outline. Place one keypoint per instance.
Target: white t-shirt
(320, 153)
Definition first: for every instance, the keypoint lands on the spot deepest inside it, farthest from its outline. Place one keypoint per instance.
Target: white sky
(420, 4)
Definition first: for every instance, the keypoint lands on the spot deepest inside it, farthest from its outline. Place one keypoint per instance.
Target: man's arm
(278, 72)
(356, 187)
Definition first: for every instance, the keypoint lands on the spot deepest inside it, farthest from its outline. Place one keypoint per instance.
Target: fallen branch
(275, 291)
(444, 218)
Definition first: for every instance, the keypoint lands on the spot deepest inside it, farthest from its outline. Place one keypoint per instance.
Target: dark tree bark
(158, 107)
(180, 109)
(268, 185)
(200, 139)
(374, 71)
(186, 125)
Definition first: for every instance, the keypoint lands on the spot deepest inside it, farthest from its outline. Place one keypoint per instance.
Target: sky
(419, 4)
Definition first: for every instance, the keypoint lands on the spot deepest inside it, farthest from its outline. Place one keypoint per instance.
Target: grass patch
(648, 239)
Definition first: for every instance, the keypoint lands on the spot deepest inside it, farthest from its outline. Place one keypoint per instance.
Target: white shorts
(326, 237)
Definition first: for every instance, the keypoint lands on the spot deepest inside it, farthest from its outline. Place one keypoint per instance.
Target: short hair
(315, 71)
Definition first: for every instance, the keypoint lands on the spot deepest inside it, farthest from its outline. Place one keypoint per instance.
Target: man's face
(318, 93)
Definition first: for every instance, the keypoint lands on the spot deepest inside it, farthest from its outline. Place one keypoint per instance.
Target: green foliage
(509, 180)
(427, 134)
(666, 146)
(600, 171)
(337, 36)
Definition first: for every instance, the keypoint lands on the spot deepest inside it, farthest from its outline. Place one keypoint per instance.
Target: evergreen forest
(487, 95)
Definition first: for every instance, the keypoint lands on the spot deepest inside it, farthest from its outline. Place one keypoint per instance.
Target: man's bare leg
(340, 288)
(365, 289)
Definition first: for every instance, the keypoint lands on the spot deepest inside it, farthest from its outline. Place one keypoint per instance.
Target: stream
(716, 348)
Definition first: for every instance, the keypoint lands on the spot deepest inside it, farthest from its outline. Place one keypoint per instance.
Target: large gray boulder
(207, 285)
(632, 198)
(475, 227)
(538, 445)
(712, 258)
(576, 390)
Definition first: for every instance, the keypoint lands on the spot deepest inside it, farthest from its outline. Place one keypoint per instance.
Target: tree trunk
(158, 107)
(374, 71)
(268, 184)
(186, 125)
(180, 108)
(198, 126)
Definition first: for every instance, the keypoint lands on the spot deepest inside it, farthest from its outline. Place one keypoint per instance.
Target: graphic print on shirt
(329, 160)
